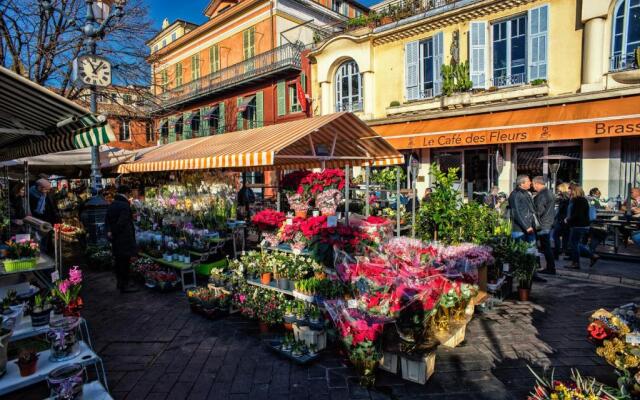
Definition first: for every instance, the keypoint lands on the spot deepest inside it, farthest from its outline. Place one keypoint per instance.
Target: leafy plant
(394, 103)
(456, 78)
(357, 22)
(387, 177)
(522, 258)
(538, 82)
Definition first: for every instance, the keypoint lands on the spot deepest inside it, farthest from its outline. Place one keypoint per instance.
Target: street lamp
(99, 15)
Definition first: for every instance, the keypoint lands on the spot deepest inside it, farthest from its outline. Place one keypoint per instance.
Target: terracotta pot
(288, 326)
(264, 327)
(301, 214)
(320, 275)
(523, 294)
(265, 278)
(28, 369)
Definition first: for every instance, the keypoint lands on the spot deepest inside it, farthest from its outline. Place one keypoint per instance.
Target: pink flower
(64, 286)
(75, 275)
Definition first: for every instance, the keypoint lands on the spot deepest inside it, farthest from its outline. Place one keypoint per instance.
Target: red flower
(597, 330)
(268, 219)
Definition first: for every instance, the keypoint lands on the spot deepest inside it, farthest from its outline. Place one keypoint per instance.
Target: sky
(189, 10)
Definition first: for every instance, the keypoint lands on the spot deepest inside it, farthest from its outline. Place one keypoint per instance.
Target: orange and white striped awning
(329, 141)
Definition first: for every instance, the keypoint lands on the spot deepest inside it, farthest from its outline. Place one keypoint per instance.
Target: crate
(309, 336)
(389, 362)
(453, 337)
(418, 370)
(20, 265)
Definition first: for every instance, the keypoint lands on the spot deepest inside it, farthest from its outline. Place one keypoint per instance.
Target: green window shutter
(172, 129)
(303, 82)
(221, 117)
(282, 100)
(204, 121)
(179, 74)
(245, 43)
(195, 67)
(214, 58)
(186, 125)
(239, 117)
(248, 42)
(259, 109)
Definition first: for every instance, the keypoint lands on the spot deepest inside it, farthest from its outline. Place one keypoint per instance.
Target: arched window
(625, 35)
(348, 87)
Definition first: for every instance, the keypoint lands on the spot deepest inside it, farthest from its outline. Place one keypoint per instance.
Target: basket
(20, 265)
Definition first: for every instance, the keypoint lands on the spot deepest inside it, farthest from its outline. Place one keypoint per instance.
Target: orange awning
(330, 141)
(586, 120)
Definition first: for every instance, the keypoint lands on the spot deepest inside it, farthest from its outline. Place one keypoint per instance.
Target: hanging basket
(20, 265)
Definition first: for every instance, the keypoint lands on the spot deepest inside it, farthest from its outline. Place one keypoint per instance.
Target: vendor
(17, 211)
(246, 198)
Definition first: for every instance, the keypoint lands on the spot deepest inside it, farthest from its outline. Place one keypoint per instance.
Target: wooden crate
(389, 362)
(418, 370)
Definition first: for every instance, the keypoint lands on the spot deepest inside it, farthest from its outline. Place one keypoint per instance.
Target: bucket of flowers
(142, 266)
(299, 203)
(578, 387)
(21, 255)
(269, 221)
(68, 233)
(165, 281)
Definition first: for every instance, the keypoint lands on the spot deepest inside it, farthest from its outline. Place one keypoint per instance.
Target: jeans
(527, 237)
(575, 238)
(545, 248)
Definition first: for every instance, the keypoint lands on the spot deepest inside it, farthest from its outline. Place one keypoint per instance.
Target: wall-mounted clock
(92, 70)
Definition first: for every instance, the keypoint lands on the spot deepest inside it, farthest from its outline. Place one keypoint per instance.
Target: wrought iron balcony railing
(354, 106)
(270, 62)
(623, 62)
(509, 80)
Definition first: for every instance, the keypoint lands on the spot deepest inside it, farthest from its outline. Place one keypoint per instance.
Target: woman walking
(578, 221)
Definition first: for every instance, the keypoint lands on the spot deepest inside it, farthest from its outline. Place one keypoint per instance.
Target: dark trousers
(545, 248)
(560, 238)
(575, 238)
(122, 270)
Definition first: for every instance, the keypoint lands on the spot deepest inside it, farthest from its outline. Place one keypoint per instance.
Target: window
(195, 123)
(348, 87)
(294, 104)
(174, 36)
(164, 131)
(195, 67)
(127, 99)
(423, 65)
(250, 114)
(248, 42)
(164, 42)
(341, 7)
(150, 134)
(426, 69)
(155, 48)
(509, 52)
(125, 131)
(178, 74)
(214, 59)
(626, 35)
(358, 13)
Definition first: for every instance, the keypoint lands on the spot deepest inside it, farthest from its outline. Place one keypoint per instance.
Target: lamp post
(99, 15)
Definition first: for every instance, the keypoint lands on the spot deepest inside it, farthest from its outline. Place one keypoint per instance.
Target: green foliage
(446, 218)
(357, 22)
(538, 82)
(456, 78)
(387, 177)
(523, 262)
(394, 103)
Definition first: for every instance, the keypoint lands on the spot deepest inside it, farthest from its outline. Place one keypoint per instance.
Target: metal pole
(398, 200)
(278, 196)
(367, 174)
(96, 176)
(347, 174)
(413, 206)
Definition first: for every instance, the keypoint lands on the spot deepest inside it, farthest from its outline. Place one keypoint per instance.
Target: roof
(330, 140)
(35, 120)
(176, 22)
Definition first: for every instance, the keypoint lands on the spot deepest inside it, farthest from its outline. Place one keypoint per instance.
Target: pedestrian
(16, 209)
(578, 221)
(43, 207)
(491, 199)
(560, 227)
(522, 211)
(121, 232)
(503, 206)
(544, 204)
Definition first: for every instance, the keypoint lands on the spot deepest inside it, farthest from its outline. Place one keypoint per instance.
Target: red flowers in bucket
(268, 219)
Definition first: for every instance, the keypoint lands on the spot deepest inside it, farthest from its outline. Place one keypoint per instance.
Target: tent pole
(347, 174)
(413, 205)
(367, 173)
(398, 200)
(278, 199)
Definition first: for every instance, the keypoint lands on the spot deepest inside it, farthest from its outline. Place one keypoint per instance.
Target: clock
(92, 70)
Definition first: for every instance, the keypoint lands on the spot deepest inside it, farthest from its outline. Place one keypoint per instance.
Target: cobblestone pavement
(154, 348)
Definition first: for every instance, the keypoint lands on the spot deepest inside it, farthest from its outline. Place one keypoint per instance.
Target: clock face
(94, 71)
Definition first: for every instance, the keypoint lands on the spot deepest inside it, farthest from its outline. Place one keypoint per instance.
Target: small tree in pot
(523, 259)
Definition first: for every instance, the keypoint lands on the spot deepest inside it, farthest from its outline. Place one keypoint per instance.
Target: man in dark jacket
(522, 211)
(43, 207)
(544, 204)
(120, 230)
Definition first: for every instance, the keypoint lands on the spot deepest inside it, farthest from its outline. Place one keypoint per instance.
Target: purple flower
(75, 275)
(64, 286)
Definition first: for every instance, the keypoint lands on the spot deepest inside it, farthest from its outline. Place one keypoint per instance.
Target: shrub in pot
(522, 257)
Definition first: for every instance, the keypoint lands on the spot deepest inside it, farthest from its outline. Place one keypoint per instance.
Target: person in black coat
(544, 203)
(121, 232)
(578, 221)
(17, 212)
(522, 211)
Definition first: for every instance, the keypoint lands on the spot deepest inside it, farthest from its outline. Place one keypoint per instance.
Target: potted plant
(523, 261)
(5, 334)
(313, 349)
(41, 313)
(299, 203)
(27, 361)
(68, 291)
(328, 201)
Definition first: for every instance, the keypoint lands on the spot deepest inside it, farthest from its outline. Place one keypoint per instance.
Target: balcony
(624, 68)
(268, 64)
(508, 80)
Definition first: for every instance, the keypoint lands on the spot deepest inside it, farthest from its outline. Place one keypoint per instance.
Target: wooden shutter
(172, 129)
(195, 67)
(478, 54)
(214, 59)
(303, 82)
(221, 118)
(538, 40)
(438, 60)
(179, 74)
(282, 98)
(204, 121)
(239, 116)
(259, 109)
(248, 43)
(186, 125)
(412, 70)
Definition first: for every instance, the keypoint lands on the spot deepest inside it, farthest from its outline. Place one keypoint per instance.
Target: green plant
(357, 22)
(523, 261)
(394, 103)
(387, 177)
(448, 81)
(456, 78)
(538, 82)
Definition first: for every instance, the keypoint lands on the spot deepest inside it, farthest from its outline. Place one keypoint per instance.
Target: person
(544, 204)
(16, 209)
(246, 198)
(634, 202)
(43, 207)
(503, 205)
(578, 221)
(427, 195)
(595, 199)
(522, 211)
(491, 199)
(597, 232)
(560, 231)
(120, 230)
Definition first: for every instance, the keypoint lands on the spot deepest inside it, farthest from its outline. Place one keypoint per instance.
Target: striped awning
(329, 141)
(35, 121)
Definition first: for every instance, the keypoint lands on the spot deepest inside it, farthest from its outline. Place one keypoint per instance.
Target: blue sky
(190, 10)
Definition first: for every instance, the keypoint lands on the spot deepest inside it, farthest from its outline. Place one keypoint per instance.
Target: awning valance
(330, 141)
(245, 103)
(595, 119)
(35, 120)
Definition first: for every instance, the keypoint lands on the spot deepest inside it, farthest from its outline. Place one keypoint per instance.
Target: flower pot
(301, 214)
(64, 337)
(263, 326)
(523, 294)
(41, 318)
(265, 278)
(66, 382)
(418, 370)
(283, 283)
(4, 343)
(28, 368)
(288, 326)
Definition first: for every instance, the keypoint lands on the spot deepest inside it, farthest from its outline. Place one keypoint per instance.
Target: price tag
(505, 267)
(55, 276)
(352, 303)
(332, 221)
(316, 213)
(633, 338)
(289, 221)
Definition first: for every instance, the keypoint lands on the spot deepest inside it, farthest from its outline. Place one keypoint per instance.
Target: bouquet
(318, 182)
(576, 388)
(298, 202)
(268, 220)
(328, 201)
(68, 291)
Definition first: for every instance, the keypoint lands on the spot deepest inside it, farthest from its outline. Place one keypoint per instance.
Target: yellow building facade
(496, 88)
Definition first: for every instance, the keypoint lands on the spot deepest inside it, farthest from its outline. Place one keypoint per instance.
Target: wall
(138, 129)
(595, 165)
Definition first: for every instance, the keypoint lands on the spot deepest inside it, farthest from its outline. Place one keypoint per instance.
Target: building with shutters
(245, 67)
(495, 88)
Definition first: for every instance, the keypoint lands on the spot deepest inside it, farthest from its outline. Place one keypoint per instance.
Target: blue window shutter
(538, 42)
(412, 70)
(438, 60)
(478, 54)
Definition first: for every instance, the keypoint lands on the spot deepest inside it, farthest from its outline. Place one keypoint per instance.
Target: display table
(93, 391)
(185, 269)
(25, 330)
(12, 380)
(41, 271)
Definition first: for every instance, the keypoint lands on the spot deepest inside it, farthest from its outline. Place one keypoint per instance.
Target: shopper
(578, 221)
(634, 202)
(43, 207)
(560, 230)
(120, 230)
(544, 203)
(16, 209)
(522, 211)
(491, 199)
(597, 232)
